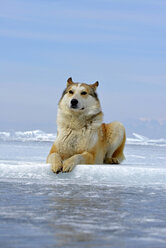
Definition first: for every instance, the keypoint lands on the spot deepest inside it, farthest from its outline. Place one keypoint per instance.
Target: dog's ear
(95, 85)
(69, 81)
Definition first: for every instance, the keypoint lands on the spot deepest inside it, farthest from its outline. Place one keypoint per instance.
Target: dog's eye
(71, 92)
(83, 93)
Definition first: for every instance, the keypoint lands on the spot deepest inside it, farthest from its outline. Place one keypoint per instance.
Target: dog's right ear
(94, 86)
(69, 82)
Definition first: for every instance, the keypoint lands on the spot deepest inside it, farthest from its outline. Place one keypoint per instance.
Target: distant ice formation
(142, 140)
(34, 135)
(40, 136)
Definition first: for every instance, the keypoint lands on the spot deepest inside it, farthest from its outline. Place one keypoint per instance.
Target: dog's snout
(74, 102)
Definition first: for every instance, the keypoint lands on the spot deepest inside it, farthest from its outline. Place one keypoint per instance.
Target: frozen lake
(94, 206)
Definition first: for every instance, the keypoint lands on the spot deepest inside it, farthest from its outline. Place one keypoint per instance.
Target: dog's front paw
(56, 168)
(67, 166)
(56, 163)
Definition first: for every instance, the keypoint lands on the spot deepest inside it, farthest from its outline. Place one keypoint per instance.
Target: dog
(82, 138)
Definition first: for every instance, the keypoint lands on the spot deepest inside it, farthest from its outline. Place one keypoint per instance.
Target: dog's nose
(74, 102)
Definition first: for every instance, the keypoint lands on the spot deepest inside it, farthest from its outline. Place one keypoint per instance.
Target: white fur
(81, 136)
(75, 133)
(85, 104)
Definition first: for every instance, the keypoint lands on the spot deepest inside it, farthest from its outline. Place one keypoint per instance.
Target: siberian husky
(82, 138)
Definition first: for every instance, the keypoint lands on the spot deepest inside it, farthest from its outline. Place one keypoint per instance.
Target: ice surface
(126, 175)
(144, 164)
(120, 206)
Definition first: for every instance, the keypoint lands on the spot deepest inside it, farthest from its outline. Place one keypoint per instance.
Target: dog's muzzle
(74, 103)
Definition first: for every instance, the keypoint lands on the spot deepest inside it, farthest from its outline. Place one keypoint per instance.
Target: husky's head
(80, 98)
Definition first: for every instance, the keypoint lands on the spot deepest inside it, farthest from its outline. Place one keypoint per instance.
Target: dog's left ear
(69, 81)
(95, 85)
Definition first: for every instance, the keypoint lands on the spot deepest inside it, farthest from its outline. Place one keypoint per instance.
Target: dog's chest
(70, 142)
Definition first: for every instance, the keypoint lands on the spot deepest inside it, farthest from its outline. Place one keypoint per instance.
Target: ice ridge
(41, 136)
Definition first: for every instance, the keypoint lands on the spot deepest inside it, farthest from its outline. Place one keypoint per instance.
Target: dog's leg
(83, 158)
(56, 162)
(54, 159)
(116, 138)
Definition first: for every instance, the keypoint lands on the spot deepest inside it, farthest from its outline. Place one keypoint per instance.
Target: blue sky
(119, 43)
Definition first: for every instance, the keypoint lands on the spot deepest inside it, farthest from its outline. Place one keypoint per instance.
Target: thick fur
(81, 136)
